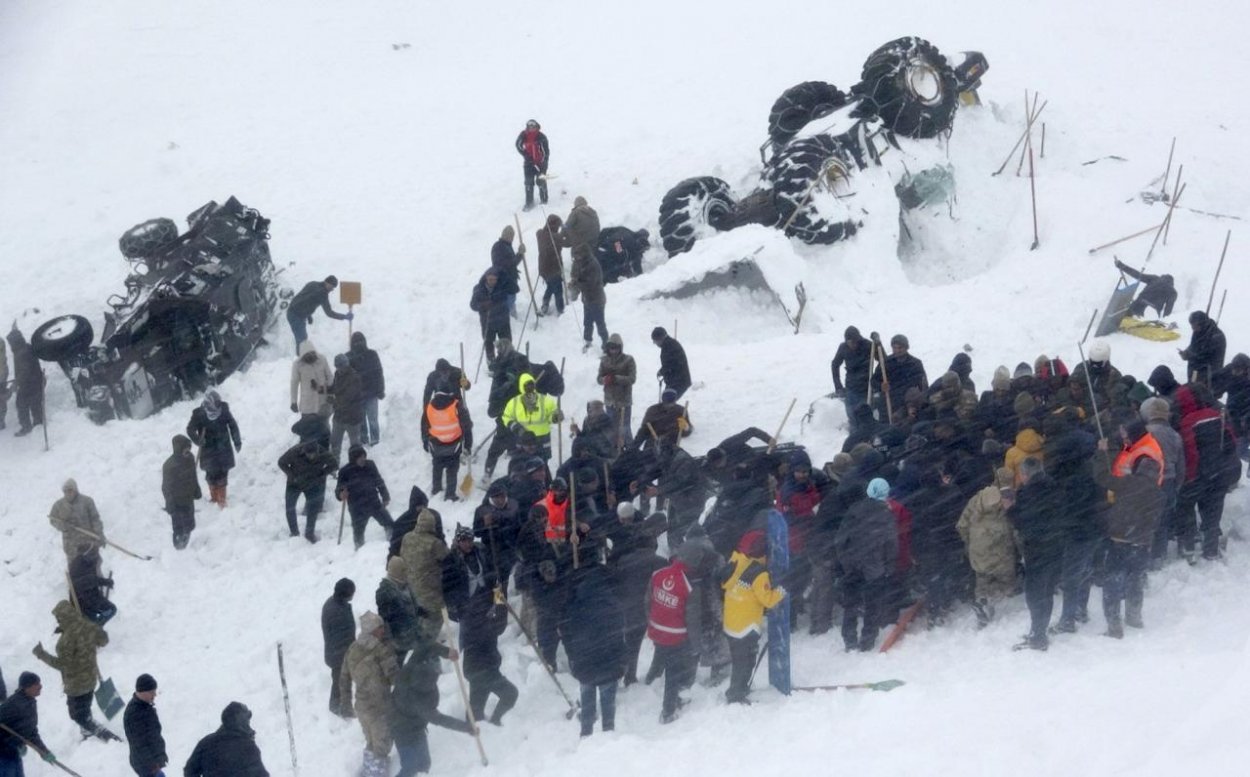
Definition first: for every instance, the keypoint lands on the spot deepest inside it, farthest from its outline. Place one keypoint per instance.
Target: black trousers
(29, 405)
(482, 685)
(531, 177)
(1203, 501)
(679, 664)
(742, 654)
(335, 707)
(1041, 578)
(183, 519)
(313, 499)
(360, 519)
(446, 469)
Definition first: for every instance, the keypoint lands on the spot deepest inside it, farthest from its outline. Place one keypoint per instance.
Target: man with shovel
(75, 659)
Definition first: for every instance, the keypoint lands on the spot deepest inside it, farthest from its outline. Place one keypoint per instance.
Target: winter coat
(986, 531)
(230, 751)
(550, 261)
(856, 361)
(499, 538)
(534, 149)
(996, 412)
(619, 391)
(1035, 517)
(468, 589)
(407, 520)
(443, 378)
(338, 629)
(904, 371)
(306, 466)
(88, 583)
(366, 490)
(1137, 503)
(20, 713)
(460, 432)
(75, 650)
(748, 593)
(1173, 452)
(1104, 378)
(311, 379)
(179, 484)
(423, 551)
(347, 396)
(663, 418)
(1205, 355)
(414, 699)
(371, 665)
(505, 261)
(399, 610)
(1068, 462)
(490, 304)
(620, 251)
(368, 366)
(1201, 432)
(1028, 445)
(143, 734)
(682, 482)
(80, 512)
(581, 234)
(313, 295)
(593, 628)
(586, 276)
(4, 370)
(538, 420)
(27, 374)
(935, 511)
(217, 439)
(866, 542)
(674, 369)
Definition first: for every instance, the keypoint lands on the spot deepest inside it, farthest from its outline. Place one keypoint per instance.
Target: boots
(1132, 611)
(1033, 642)
(1115, 628)
(984, 611)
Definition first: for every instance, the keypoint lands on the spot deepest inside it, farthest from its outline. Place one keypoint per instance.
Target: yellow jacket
(539, 421)
(748, 593)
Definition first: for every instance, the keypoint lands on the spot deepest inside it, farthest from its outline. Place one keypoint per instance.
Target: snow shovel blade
(466, 484)
(106, 696)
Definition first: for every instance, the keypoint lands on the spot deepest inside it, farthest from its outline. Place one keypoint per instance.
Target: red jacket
(666, 619)
(1193, 417)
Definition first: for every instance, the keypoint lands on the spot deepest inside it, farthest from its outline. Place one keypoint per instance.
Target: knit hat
(463, 533)
(841, 464)
(1198, 318)
(1156, 409)
(878, 489)
(851, 333)
(1023, 370)
(345, 588)
(800, 459)
(1100, 351)
(659, 333)
(27, 679)
(1001, 380)
(626, 510)
(145, 682)
(669, 395)
(330, 279)
(341, 361)
(900, 340)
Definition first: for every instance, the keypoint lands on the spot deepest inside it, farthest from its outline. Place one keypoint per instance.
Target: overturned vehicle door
(196, 307)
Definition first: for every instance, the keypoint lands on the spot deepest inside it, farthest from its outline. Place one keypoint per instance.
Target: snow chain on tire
(143, 240)
(795, 173)
(911, 87)
(800, 105)
(690, 208)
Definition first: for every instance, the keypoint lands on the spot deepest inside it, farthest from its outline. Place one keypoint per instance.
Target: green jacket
(81, 513)
(370, 664)
(75, 650)
(423, 551)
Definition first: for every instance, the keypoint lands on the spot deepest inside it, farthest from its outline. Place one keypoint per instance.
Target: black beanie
(145, 682)
(27, 679)
(659, 333)
(330, 279)
(344, 588)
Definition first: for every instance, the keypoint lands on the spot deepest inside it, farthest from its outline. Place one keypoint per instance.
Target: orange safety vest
(445, 423)
(1146, 446)
(557, 518)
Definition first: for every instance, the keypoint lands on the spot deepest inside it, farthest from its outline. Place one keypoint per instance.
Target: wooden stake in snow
(1033, 194)
(1215, 281)
(1020, 140)
(1167, 171)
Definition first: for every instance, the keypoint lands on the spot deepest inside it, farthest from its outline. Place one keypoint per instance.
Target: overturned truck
(195, 308)
(820, 137)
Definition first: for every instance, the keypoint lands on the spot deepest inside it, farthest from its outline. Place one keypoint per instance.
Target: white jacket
(310, 381)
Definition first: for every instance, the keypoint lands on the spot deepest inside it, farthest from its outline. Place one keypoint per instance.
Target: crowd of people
(1050, 482)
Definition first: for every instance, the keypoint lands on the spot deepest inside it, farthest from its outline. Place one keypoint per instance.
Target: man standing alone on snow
(181, 487)
(674, 369)
(532, 145)
(315, 294)
(143, 729)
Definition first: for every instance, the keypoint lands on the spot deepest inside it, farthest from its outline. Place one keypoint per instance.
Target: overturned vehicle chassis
(196, 307)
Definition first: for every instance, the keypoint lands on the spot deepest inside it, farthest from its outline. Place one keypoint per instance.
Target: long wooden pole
(1218, 268)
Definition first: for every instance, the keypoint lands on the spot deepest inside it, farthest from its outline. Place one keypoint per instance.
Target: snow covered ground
(378, 137)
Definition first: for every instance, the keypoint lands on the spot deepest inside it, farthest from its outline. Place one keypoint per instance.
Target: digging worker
(315, 294)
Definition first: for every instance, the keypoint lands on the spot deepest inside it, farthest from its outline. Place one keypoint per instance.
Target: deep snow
(394, 166)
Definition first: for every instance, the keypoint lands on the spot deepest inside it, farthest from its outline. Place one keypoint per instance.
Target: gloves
(464, 383)
(107, 582)
(294, 408)
(382, 395)
(557, 416)
(47, 756)
(515, 427)
(350, 315)
(682, 425)
(521, 251)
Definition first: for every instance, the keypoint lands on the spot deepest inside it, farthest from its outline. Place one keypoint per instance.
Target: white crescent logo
(668, 584)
